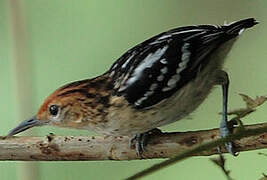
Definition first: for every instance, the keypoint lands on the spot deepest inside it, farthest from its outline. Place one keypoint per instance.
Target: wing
(160, 66)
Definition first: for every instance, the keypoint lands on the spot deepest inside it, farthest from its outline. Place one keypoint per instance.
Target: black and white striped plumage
(155, 69)
(158, 82)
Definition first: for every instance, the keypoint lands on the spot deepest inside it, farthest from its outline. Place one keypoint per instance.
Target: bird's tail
(237, 27)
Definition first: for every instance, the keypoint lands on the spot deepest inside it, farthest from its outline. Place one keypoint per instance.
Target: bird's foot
(225, 130)
(141, 140)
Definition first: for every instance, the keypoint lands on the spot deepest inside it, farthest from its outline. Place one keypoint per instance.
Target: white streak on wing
(185, 47)
(163, 61)
(211, 37)
(112, 73)
(185, 53)
(182, 65)
(160, 77)
(172, 82)
(164, 70)
(194, 35)
(115, 65)
(147, 94)
(128, 60)
(178, 70)
(139, 101)
(122, 82)
(164, 37)
(146, 63)
(174, 79)
(166, 88)
(213, 34)
(228, 24)
(155, 42)
(116, 85)
(241, 31)
(187, 31)
(153, 86)
(185, 58)
(160, 39)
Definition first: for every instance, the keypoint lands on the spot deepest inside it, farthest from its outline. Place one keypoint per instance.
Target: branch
(201, 148)
(165, 145)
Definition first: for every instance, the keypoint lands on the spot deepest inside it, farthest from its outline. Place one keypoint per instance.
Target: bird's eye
(54, 110)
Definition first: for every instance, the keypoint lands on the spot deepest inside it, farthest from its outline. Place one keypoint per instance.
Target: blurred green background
(72, 40)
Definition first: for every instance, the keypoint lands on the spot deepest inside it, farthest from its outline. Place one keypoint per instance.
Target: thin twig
(220, 162)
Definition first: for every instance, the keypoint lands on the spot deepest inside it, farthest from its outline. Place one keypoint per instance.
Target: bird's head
(61, 108)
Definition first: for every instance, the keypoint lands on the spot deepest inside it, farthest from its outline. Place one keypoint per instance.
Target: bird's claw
(140, 141)
(226, 130)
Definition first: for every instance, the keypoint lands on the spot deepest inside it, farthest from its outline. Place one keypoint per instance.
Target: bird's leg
(140, 141)
(226, 127)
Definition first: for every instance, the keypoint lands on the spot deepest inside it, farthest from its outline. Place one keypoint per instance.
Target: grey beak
(24, 126)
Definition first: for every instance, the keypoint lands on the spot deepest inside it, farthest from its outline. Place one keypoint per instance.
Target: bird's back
(155, 69)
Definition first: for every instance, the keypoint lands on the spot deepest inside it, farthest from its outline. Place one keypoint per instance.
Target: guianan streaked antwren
(157, 82)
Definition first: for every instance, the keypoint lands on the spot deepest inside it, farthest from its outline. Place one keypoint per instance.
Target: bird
(157, 82)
